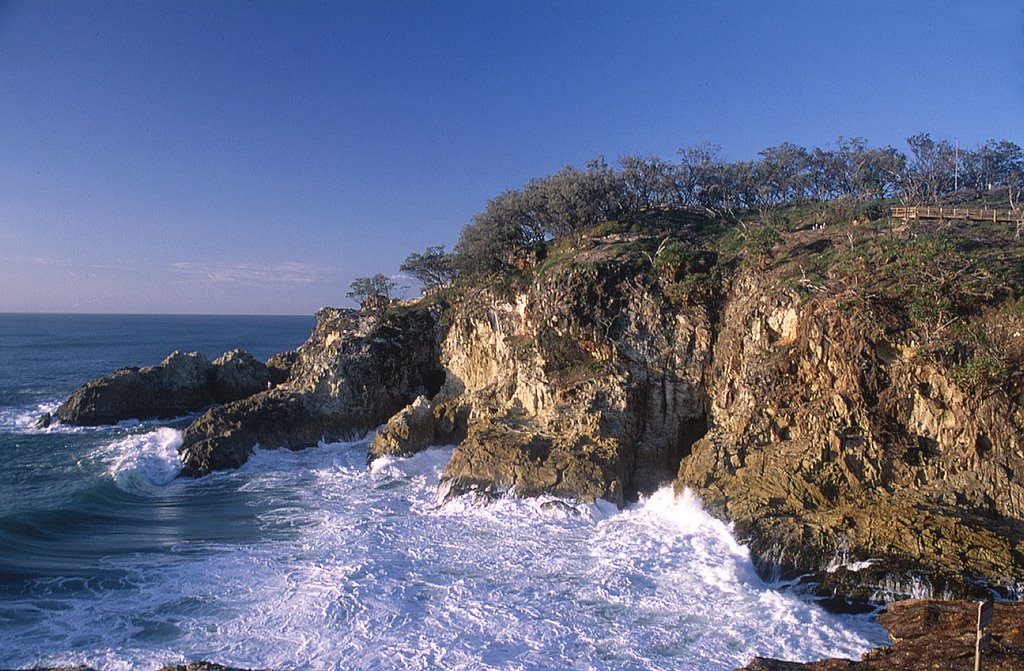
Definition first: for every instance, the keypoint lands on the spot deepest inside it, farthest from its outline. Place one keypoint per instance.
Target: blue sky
(255, 157)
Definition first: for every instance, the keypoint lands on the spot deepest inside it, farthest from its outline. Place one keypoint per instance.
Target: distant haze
(256, 157)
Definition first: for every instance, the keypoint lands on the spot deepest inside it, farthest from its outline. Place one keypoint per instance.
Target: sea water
(316, 560)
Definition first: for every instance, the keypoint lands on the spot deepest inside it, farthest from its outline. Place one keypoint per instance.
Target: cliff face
(852, 431)
(833, 442)
(585, 382)
(823, 425)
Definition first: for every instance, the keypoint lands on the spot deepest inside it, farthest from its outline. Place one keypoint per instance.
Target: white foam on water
(361, 568)
(23, 419)
(143, 462)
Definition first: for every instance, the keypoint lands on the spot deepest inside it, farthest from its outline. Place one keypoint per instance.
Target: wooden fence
(971, 214)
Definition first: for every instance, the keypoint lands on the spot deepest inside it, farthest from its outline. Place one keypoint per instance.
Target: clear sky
(255, 157)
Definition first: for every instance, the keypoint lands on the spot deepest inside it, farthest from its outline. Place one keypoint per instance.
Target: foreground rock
(352, 374)
(930, 635)
(183, 383)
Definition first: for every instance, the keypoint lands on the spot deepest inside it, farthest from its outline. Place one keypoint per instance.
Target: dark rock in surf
(183, 383)
(179, 385)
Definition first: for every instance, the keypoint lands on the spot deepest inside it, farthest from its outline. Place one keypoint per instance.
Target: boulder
(179, 385)
(407, 432)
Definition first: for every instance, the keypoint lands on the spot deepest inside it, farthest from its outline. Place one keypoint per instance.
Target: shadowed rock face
(930, 635)
(181, 384)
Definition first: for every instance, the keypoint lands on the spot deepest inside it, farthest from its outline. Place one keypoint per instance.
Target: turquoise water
(311, 560)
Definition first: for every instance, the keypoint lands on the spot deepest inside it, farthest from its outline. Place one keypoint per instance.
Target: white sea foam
(142, 462)
(23, 419)
(362, 569)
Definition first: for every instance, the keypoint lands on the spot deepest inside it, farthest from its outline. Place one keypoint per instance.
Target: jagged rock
(352, 374)
(585, 384)
(929, 634)
(237, 375)
(407, 432)
(833, 446)
(280, 366)
(44, 421)
(181, 384)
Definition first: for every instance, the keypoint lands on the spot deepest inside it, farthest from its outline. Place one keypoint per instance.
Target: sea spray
(352, 567)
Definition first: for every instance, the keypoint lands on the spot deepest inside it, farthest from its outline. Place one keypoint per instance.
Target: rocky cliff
(352, 374)
(852, 400)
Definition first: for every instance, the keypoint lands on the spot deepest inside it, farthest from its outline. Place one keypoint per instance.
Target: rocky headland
(850, 396)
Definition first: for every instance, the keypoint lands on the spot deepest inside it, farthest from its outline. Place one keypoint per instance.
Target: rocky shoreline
(823, 425)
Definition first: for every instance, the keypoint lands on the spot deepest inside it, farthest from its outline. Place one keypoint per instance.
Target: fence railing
(968, 213)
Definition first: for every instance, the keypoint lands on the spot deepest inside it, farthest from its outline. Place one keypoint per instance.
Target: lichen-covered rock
(409, 431)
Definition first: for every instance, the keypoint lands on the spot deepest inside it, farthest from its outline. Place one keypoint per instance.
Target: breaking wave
(356, 568)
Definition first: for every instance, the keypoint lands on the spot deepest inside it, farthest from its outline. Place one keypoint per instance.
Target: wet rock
(44, 421)
(927, 635)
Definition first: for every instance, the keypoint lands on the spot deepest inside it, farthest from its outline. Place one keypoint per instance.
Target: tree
(371, 292)
(433, 268)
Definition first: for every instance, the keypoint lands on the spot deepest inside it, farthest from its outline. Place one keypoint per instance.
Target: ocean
(315, 560)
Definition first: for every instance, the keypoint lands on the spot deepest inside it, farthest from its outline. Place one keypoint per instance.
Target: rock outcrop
(927, 635)
(586, 382)
(839, 452)
(353, 373)
(407, 432)
(183, 383)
